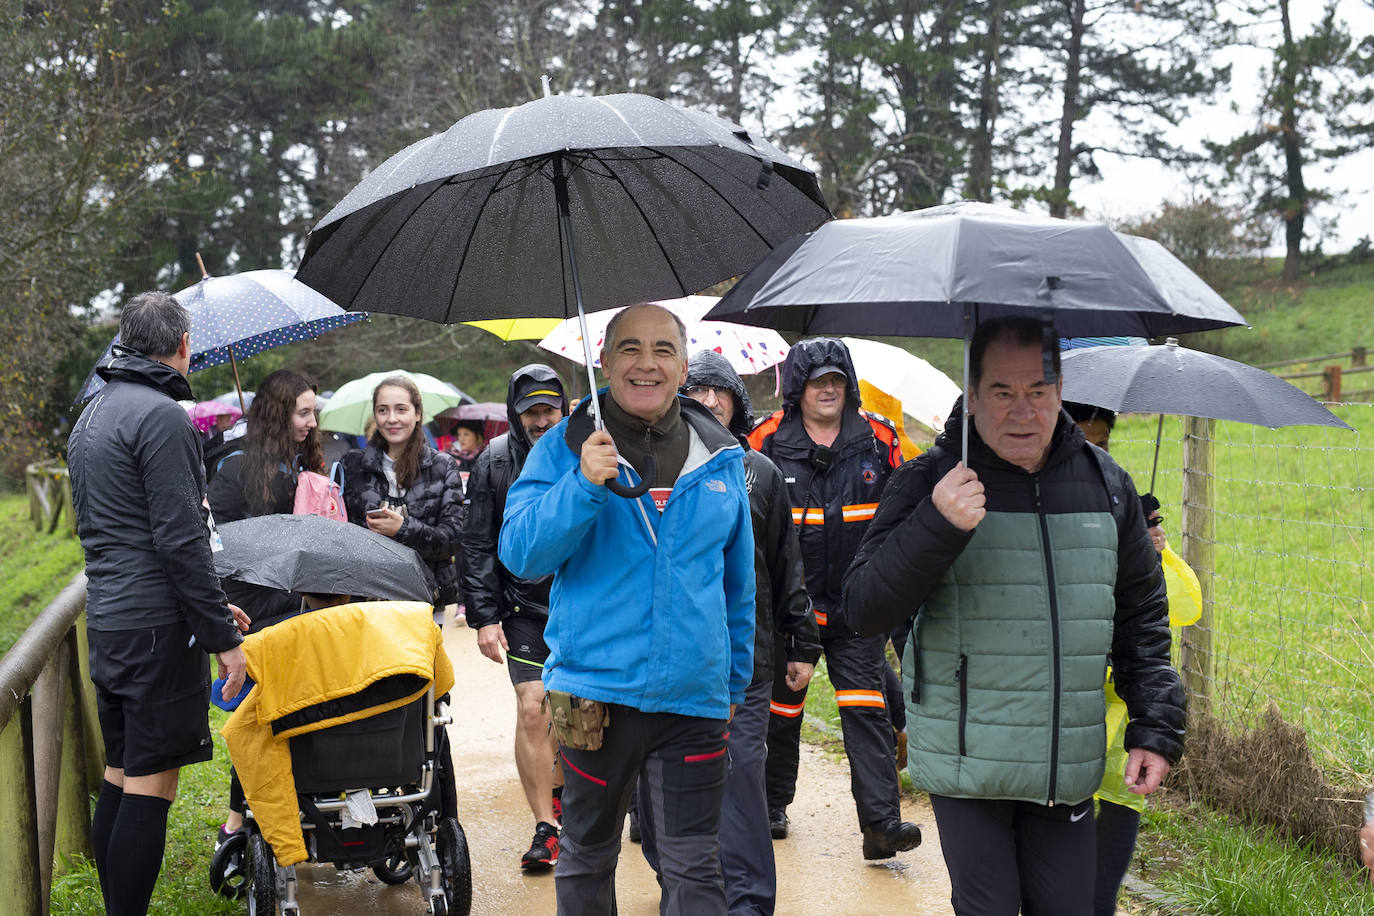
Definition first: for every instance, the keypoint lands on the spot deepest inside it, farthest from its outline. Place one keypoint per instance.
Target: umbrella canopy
(915, 274)
(241, 315)
(309, 553)
(925, 393)
(1082, 343)
(468, 224)
(232, 398)
(350, 407)
(1176, 380)
(203, 414)
(517, 328)
(489, 416)
(748, 349)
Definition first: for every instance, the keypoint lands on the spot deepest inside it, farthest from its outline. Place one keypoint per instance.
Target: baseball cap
(539, 393)
(827, 369)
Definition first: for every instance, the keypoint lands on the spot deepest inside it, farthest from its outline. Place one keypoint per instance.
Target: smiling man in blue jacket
(651, 613)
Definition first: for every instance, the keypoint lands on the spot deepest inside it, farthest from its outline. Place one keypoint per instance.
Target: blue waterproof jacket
(648, 610)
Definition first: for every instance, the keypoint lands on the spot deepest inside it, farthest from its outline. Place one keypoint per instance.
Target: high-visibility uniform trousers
(855, 665)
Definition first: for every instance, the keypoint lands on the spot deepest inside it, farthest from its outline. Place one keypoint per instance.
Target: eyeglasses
(829, 380)
(701, 391)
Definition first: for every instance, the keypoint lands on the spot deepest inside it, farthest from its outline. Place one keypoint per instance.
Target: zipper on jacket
(961, 675)
(1054, 643)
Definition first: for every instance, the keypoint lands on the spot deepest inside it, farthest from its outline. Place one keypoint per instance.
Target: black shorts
(152, 693)
(526, 652)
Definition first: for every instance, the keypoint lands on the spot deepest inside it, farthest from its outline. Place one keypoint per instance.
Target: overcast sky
(1132, 187)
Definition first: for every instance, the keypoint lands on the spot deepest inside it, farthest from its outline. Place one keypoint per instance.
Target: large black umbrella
(1176, 380)
(938, 272)
(307, 553)
(557, 206)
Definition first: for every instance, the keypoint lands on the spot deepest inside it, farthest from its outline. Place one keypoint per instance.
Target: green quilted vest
(1012, 647)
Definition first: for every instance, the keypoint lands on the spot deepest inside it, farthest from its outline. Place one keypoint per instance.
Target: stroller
(338, 749)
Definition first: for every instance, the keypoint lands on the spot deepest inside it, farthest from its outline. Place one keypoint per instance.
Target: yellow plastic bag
(1185, 594)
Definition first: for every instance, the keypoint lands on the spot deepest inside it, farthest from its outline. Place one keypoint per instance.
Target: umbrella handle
(650, 472)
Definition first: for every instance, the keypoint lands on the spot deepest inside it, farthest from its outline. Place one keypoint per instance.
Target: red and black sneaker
(544, 850)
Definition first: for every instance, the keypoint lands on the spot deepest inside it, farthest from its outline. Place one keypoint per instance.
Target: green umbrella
(350, 407)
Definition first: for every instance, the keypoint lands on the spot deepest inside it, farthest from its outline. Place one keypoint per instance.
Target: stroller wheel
(262, 878)
(395, 870)
(455, 868)
(229, 867)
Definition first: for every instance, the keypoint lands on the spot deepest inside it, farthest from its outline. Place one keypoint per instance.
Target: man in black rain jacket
(835, 459)
(509, 613)
(154, 607)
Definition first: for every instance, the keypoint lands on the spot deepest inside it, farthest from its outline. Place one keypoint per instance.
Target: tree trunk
(979, 185)
(1295, 207)
(1063, 165)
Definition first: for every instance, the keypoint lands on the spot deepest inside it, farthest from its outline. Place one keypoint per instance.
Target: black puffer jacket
(433, 525)
(910, 546)
(494, 593)
(782, 607)
(138, 483)
(834, 491)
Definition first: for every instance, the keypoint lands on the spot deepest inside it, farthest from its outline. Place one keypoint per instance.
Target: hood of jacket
(129, 365)
(536, 372)
(1066, 439)
(707, 367)
(810, 354)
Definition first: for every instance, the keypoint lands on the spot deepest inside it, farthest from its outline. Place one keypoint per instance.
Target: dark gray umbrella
(1176, 380)
(662, 201)
(307, 553)
(557, 206)
(938, 272)
(915, 274)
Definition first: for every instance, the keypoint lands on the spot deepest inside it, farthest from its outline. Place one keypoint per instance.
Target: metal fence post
(19, 872)
(1199, 552)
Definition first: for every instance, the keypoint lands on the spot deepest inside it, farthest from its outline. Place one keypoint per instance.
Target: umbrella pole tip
(204, 274)
(545, 81)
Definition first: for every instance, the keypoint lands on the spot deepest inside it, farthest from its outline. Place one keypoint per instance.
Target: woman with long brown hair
(259, 478)
(402, 488)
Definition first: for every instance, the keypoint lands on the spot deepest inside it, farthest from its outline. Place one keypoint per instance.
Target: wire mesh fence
(1291, 513)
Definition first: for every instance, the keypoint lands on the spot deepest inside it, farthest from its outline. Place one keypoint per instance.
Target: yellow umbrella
(518, 328)
(879, 401)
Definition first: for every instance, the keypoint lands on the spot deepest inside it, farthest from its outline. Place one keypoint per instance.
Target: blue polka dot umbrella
(241, 315)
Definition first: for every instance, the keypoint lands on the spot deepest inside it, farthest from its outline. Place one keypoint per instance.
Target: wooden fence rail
(51, 754)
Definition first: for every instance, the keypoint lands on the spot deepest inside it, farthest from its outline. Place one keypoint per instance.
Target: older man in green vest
(1025, 571)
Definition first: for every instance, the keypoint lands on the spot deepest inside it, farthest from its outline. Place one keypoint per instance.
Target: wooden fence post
(1199, 552)
(72, 827)
(49, 703)
(19, 873)
(1331, 383)
(1357, 356)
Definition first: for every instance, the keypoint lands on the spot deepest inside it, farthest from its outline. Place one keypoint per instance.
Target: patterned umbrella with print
(240, 315)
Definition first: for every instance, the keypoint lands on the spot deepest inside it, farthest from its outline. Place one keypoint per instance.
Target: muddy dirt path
(820, 867)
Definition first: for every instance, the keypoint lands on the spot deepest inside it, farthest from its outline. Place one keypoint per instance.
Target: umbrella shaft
(560, 185)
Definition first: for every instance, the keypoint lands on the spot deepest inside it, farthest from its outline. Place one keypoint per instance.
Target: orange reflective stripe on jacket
(815, 515)
(820, 616)
(860, 698)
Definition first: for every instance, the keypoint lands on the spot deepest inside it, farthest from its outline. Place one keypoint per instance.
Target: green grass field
(1292, 584)
(34, 567)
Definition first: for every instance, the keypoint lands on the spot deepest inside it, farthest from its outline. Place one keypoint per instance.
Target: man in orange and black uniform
(835, 459)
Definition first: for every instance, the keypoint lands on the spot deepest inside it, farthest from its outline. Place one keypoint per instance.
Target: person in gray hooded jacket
(783, 615)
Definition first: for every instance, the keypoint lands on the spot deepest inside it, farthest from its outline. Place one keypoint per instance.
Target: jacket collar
(127, 365)
(701, 421)
(372, 457)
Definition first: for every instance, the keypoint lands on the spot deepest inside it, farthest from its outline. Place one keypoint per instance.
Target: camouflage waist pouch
(577, 722)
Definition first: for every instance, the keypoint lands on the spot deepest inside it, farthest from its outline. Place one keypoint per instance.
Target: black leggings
(1117, 827)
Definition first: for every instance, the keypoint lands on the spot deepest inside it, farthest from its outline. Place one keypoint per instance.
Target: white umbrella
(926, 393)
(749, 349)
(351, 405)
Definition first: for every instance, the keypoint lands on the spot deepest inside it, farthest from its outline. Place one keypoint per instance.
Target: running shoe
(544, 850)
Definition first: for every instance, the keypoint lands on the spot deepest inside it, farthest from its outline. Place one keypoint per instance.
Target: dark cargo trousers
(855, 665)
(746, 847)
(682, 760)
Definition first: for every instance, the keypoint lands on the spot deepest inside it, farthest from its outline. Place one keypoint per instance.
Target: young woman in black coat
(260, 479)
(402, 488)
